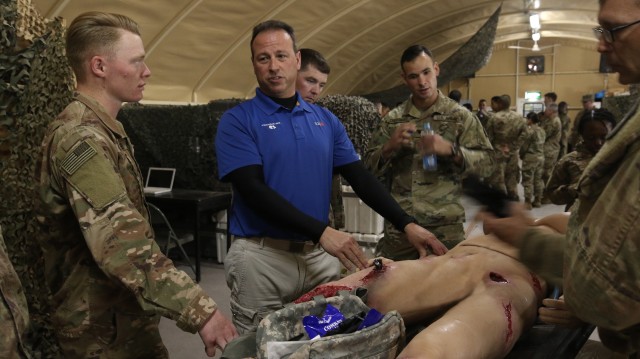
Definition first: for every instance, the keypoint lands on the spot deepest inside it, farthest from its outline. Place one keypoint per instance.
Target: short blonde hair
(93, 32)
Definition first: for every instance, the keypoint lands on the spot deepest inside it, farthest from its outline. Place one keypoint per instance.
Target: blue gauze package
(317, 327)
(373, 317)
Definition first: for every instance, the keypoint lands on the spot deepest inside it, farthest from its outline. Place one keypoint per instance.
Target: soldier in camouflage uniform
(550, 123)
(565, 122)
(483, 114)
(109, 279)
(574, 136)
(593, 127)
(14, 313)
(532, 154)
(461, 146)
(506, 130)
(597, 261)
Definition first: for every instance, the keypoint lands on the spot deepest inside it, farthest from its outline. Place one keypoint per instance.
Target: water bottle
(429, 162)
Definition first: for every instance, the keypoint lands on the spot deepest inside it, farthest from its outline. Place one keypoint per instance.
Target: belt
(285, 244)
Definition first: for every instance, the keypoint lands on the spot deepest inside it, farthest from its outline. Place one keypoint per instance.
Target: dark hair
(413, 51)
(533, 117)
(551, 95)
(314, 58)
(273, 25)
(468, 106)
(562, 107)
(601, 115)
(455, 95)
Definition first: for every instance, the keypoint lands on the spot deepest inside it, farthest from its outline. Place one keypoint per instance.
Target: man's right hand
(401, 137)
(343, 246)
(217, 332)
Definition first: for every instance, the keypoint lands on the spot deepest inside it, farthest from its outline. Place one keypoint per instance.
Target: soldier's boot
(537, 203)
(528, 205)
(545, 200)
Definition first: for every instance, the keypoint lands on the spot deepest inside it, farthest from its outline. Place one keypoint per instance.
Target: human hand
(217, 332)
(402, 136)
(509, 229)
(422, 239)
(434, 144)
(555, 311)
(344, 247)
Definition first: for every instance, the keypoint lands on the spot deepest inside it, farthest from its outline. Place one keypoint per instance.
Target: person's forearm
(543, 253)
(373, 193)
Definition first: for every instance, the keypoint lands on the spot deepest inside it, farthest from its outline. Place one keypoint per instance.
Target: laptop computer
(159, 180)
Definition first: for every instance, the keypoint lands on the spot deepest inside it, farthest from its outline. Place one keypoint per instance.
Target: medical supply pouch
(281, 334)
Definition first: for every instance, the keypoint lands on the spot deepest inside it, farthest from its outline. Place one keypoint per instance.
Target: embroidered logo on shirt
(272, 125)
(319, 123)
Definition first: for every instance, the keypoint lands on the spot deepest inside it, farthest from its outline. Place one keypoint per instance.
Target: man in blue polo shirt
(279, 154)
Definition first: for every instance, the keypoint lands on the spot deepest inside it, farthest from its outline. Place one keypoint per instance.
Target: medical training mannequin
(477, 291)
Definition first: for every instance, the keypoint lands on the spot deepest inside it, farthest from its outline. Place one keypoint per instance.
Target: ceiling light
(536, 4)
(534, 21)
(535, 36)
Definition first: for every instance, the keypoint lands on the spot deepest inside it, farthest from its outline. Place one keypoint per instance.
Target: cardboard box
(358, 217)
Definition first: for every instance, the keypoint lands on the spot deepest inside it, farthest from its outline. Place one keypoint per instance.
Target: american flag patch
(79, 156)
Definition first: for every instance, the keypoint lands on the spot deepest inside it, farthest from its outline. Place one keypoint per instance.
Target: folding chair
(166, 237)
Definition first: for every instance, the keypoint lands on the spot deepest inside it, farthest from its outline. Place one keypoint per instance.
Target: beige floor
(183, 345)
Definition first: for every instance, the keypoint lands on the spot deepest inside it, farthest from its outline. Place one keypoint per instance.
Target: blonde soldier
(461, 146)
(506, 130)
(14, 313)
(110, 281)
(532, 154)
(552, 127)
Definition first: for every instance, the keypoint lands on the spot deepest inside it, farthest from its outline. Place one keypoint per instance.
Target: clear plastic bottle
(429, 162)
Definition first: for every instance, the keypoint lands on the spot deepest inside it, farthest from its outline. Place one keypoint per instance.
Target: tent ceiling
(198, 49)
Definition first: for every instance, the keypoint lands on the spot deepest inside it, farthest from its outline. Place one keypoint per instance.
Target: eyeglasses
(607, 34)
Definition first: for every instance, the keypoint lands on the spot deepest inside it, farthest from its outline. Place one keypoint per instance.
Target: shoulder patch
(78, 157)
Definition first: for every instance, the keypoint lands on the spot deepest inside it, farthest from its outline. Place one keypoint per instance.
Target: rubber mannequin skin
(477, 291)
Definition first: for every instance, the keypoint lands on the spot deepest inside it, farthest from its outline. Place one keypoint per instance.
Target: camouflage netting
(180, 137)
(36, 85)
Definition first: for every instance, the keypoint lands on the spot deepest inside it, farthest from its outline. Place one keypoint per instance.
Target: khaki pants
(265, 273)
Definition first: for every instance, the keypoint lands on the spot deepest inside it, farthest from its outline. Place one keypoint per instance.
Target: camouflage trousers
(550, 160)
(532, 179)
(512, 175)
(117, 336)
(394, 245)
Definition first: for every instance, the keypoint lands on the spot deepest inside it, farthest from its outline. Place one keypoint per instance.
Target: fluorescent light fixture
(534, 21)
(535, 36)
(536, 4)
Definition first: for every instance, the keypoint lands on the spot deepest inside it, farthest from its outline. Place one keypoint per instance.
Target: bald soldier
(480, 272)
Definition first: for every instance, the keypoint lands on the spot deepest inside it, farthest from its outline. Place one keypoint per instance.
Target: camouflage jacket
(599, 257)
(14, 313)
(565, 123)
(553, 131)
(506, 128)
(533, 147)
(563, 183)
(100, 255)
(574, 137)
(433, 198)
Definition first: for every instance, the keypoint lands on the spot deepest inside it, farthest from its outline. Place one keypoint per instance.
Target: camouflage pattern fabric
(601, 276)
(399, 247)
(532, 154)
(14, 314)
(108, 277)
(574, 136)
(563, 183)
(553, 130)
(506, 129)
(383, 340)
(433, 198)
(565, 123)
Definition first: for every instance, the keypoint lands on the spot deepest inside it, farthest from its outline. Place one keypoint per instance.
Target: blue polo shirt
(298, 150)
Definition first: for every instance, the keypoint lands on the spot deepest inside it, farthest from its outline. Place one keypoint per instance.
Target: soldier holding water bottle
(403, 143)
